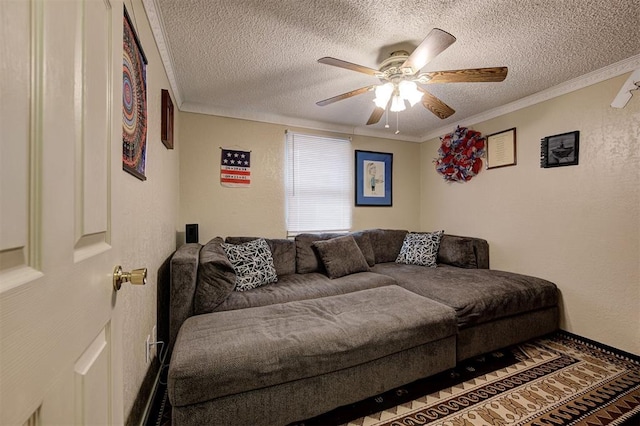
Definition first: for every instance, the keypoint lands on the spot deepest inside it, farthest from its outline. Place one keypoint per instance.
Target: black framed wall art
(560, 150)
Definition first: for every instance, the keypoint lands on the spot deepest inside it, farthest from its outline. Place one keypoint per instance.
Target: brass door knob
(137, 277)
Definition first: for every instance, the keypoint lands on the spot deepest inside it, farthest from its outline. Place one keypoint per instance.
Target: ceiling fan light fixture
(383, 93)
(409, 91)
(397, 104)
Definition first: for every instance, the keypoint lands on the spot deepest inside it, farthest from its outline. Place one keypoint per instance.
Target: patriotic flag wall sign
(235, 168)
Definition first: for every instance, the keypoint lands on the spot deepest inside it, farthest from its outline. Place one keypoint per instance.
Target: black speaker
(191, 232)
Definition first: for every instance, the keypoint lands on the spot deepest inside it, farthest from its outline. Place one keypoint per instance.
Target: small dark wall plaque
(560, 150)
(166, 121)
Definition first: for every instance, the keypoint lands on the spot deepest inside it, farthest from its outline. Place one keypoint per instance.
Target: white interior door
(60, 354)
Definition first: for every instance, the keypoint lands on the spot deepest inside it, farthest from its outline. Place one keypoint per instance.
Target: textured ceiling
(257, 59)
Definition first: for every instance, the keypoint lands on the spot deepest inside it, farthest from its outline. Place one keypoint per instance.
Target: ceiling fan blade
(376, 115)
(434, 43)
(471, 75)
(345, 95)
(435, 105)
(349, 66)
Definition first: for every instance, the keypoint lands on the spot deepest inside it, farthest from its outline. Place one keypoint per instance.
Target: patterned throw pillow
(253, 264)
(420, 249)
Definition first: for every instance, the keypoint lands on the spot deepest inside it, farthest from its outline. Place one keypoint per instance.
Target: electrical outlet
(147, 348)
(154, 340)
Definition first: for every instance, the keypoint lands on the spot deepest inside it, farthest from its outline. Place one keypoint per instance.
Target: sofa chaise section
(493, 308)
(285, 362)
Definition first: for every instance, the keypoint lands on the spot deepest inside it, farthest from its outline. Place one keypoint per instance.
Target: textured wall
(259, 210)
(577, 226)
(147, 216)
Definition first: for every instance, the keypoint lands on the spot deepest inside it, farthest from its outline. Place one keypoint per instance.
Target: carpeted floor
(560, 379)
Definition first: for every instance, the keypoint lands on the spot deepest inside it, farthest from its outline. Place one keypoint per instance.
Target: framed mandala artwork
(134, 102)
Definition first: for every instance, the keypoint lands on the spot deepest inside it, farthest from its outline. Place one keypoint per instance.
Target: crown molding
(157, 28)
(290, 122)
(589, 79)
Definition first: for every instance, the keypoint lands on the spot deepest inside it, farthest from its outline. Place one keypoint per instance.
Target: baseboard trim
(611, 349)
(142, 405)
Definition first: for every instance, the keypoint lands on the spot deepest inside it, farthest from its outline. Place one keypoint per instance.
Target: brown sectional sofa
(306, 344)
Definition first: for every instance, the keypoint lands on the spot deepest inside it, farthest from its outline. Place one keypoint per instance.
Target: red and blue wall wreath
(460, 155)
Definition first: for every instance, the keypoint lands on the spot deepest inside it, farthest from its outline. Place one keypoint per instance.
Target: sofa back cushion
(282, 250)
(464, 252)
(363, 239)
(216, 277)
(386, 243)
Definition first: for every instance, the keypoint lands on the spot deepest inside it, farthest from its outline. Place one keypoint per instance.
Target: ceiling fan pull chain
(397, 127)
(386, 118)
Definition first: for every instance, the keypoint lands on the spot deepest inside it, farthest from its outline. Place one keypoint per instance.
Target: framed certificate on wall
(501, 149)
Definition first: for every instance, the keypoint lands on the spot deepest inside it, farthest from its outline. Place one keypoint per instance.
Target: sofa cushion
(307, 258)
(386, 243)
(477, 295)
(457, 251)
(302, 287)
(420, 248)
(216, 277)
(253, 264)
(341, 256)
(282, 250)
(363, 240)
(227, 353)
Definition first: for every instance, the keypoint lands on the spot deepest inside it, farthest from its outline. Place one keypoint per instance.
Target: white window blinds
(319, 183)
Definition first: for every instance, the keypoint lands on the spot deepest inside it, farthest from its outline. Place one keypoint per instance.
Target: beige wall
(147, 213)
(577, 226)
(259, 210)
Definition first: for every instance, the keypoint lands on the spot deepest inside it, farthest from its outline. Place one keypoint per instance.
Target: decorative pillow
(420, 249)
(341, 256)
(307, 258)
(283, 252)
(253, 264)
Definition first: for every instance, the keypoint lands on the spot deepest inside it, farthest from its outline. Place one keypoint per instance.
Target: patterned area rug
(556, 380)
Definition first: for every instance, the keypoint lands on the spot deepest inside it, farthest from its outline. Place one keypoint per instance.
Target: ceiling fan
(400, 76)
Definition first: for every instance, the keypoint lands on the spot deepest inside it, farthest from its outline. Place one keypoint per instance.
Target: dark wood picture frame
(560, 150)
(374, 174)
(166, 120)
(501, 149)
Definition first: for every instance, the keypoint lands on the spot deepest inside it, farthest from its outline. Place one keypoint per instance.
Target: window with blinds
(318, 183)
